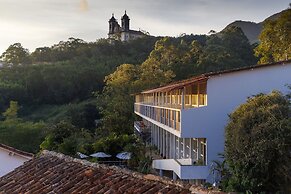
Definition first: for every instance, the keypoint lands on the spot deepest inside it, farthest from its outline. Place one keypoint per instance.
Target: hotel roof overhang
(206, 76)
(177, 85)
(16, 151)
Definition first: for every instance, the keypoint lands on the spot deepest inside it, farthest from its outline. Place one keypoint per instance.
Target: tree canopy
(275, 39)
(16, 55)
(258, 145)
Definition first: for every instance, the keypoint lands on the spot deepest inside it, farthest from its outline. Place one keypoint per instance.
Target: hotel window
(202, 93)
(194, 96)
(188, 96)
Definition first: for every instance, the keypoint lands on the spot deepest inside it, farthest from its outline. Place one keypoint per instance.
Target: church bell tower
(125, 22)
(112, 25)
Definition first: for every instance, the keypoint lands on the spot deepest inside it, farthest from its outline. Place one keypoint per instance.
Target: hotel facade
(185, 120)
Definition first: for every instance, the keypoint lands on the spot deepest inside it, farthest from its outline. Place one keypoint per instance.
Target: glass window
(194, 96)
(202, 93)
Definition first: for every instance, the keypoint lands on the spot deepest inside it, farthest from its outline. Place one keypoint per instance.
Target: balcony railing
(191, 96)
(167, 116)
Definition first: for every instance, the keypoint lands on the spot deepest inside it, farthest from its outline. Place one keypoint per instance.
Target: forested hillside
(76, 96)
(252, 30)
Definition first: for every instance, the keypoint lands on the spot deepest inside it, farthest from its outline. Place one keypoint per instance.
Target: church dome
(125, 16)
(112, 19)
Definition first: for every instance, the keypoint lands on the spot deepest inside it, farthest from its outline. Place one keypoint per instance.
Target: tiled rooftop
(51, 172)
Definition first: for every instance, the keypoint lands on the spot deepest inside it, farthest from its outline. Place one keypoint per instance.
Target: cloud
(36, 23)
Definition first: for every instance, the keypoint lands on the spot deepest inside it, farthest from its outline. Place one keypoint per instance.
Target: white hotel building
(11, 158)
(186, 119)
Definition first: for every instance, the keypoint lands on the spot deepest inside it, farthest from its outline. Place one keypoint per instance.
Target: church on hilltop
(122, 33)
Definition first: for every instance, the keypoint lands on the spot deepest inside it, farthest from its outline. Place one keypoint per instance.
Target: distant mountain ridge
(252, 30)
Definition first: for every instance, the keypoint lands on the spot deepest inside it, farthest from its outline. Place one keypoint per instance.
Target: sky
(38, 23)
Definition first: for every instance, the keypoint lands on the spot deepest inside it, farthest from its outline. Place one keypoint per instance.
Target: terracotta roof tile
(51, 172)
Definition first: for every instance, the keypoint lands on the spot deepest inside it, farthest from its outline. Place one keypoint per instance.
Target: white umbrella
(82, 156)
(124, 155)
(100, 155)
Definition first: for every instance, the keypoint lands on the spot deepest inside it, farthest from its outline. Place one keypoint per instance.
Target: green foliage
(221, 171)
(179, 58)
(116, 100)
(11, 112)
(68, 71)
(226, 50)
(114, 144)
(65, 138)
(25, 136)
(16, 55)
(275, 39)
(83, 116)
(258, 139)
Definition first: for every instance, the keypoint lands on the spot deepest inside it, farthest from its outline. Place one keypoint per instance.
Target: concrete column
(174, 176)
(172, 147)
(153, 135)
(161, 172)
(164, 142)
(161, 139)
(184, 147)
(168, 145)
(179, 147)
(190, 147)
(158, 138)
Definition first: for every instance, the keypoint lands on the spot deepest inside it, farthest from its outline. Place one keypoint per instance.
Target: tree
(65, 138)
(258, 145)
(226, 50)
(11, 112)
(16, 55)
(117, 102)
(42, 54)
(275, 39)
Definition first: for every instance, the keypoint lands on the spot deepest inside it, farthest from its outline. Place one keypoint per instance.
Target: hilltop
(252, 30)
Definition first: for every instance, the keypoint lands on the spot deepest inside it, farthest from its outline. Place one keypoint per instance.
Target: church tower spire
(112, 24)
(125, 22)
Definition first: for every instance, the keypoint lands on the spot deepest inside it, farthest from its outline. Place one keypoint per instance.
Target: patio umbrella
(100, 155)
(82, 156)
(124, 155)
